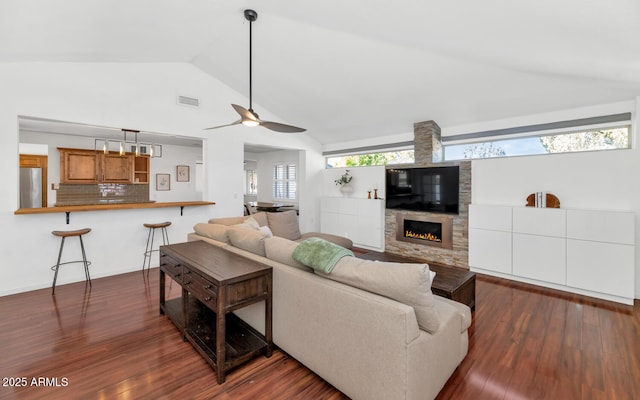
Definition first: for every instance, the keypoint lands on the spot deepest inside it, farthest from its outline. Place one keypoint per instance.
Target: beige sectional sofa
(367, 345)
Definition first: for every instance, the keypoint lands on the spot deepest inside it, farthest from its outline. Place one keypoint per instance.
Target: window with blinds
(284, 182)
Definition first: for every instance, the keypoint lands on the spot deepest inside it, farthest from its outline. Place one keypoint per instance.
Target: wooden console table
(214, 283)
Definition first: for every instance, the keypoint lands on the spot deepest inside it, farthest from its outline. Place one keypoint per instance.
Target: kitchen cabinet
(78, 166)
(90, 166)
(116, 168)
(141, 169)
(33, 166)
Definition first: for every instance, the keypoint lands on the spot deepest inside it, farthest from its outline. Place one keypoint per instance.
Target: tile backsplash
(102, 193)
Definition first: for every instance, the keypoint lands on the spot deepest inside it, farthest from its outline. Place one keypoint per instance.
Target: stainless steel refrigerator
(30, 187)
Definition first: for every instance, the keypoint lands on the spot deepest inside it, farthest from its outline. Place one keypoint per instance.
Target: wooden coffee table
(453, 283)
(214, 283)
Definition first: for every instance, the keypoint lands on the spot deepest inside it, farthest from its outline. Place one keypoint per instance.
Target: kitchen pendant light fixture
(137, 147)
(136, 144)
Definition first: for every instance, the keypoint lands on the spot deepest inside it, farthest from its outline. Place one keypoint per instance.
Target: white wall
(137, 96)
(605, 180)
(172, 156)
(364, 179)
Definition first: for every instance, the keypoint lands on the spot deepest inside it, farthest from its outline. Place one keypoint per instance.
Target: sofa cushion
(214, 231)
(339, 240)
(281, 250)
(284, 224)
(404, 282)
(251, 240)
(227, 220)
(260, 217)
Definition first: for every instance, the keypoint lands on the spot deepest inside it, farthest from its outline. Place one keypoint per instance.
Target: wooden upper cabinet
(42, 162)
(78, 166)
(89, 166)
(116, 168)
(141, 169)
(33, 161)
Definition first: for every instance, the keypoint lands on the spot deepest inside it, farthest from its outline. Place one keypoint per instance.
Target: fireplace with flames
(427, 230)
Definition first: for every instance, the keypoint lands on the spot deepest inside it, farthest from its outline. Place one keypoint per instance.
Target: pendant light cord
(250, 68)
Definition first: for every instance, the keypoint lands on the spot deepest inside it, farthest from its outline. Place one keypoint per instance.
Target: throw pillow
(281, 250)
(261, 217)
(250, 222)
(284, 224)
(214, 231)
(404, 282)
(267, 232)
(247, 239)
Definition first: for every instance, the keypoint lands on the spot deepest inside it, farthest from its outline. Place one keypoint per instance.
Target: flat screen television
(433, 189)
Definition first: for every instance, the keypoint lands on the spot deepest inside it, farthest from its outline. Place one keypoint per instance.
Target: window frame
(493, 140)
(372, 152)
(289, 184)
(251, 176)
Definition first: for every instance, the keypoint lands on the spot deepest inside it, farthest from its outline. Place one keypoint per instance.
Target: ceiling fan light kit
(248, 117)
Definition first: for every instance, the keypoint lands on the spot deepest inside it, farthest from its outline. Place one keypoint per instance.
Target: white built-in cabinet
(361, 220)
(582, 251)
(539, 244)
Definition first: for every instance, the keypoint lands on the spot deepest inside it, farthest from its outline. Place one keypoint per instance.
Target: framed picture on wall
(163, 182)
(156, 150)
(144, 149)
(182, 173)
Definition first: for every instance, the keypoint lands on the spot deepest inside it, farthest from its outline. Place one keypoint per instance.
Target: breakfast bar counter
(111, 206)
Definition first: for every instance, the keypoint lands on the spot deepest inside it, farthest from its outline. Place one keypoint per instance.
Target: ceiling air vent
(188, 101)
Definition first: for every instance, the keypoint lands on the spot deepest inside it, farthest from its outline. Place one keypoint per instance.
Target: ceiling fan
(250, 117)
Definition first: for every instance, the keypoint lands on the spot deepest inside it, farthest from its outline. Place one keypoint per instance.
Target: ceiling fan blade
(222, 126)
(244, 113)
(278, 127)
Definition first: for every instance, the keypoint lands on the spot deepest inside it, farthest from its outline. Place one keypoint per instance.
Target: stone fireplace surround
(428, 153)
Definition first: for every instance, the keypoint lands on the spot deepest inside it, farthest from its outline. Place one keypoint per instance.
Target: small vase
(346, 189)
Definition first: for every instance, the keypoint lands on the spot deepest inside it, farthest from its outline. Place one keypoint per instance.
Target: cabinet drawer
(201, 288)
(171, 267)
(540, 221)
(247, 290)
(495, 218)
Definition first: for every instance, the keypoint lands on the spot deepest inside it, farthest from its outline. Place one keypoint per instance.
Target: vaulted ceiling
(357, 69)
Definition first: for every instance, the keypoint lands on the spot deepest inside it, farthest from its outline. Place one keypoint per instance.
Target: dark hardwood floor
(110, 343)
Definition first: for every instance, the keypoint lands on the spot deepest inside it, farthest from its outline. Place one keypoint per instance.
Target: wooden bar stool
(150, 237)
(64, 235)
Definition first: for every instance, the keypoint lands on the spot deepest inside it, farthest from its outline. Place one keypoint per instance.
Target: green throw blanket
(320, 254)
